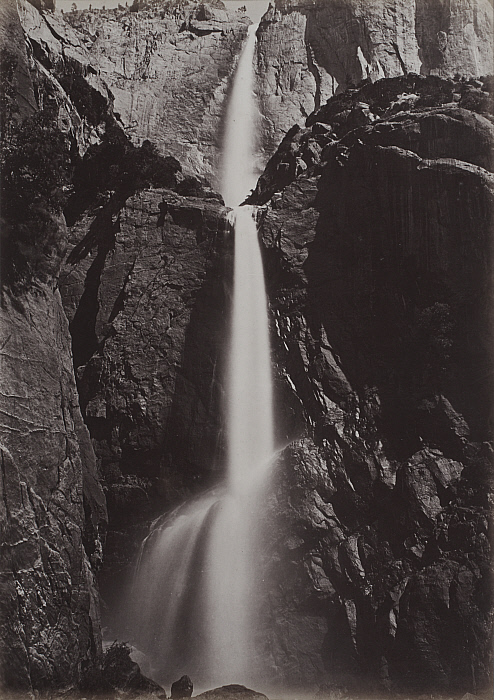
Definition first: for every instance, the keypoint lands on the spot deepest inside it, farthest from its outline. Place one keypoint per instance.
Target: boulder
(182, 688)
(232, 692)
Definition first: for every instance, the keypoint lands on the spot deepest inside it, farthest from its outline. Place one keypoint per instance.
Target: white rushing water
(238, 175)
(197, 580)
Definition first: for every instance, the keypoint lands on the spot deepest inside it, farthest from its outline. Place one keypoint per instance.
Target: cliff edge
(310, 50)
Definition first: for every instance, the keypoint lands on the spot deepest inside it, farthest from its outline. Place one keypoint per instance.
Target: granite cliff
(377, 232)
(310, 49)
(167, 65)
(148, 317)
(68, 171)
(375, 217)
(53, 513)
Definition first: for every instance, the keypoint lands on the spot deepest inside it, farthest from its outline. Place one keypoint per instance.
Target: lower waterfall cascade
(246, 384)
(195, 591)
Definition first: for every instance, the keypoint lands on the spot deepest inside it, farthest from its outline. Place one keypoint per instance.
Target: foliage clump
(44, 177)
(36, 168)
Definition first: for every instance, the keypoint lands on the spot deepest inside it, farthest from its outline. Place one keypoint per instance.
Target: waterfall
(195, 587)
(232, 553)
(237, 163)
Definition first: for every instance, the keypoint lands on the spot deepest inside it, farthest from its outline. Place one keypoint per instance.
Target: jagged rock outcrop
(377, 235)
(148, 318)
(232, 692)
(168, 66)
(15, 66)
(310, 49)
(182, 688)
(63, 77)
(121, 677)
(53, 512)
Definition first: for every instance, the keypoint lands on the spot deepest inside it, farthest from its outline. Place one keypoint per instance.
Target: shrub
(35, 163)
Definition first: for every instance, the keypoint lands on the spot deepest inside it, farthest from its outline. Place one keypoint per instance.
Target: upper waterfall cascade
(196, 583)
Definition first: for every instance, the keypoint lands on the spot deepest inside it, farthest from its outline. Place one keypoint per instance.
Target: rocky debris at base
(232, 692)
(124, 675)
(182, 688)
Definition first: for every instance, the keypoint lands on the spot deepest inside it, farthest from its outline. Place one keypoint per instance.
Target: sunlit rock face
(53, 507)
(64, 80)
(168, 68)
(310, 49)
(378, 253)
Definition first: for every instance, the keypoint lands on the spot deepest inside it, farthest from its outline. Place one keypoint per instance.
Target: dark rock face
(64, 80)
(43, 4)
(54, 514)
(121, 674)
(377, 249)
(146, 381)
(231, 692)
(53, 505)
(15, 67)
(311, 49)
(182, 688)
(148, 320)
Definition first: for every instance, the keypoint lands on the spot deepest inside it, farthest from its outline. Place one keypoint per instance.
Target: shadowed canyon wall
(66, 159)
(376, 220)
(378, 243)
(148, 319)
(53, 512)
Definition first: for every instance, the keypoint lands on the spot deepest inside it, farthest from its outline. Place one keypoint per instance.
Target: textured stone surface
(12, 42)
(231, 692)
(377, 248)
(310, 49)
(168, 68)
(121, 677)
(53, 507)
(60, 67)
(377, 244)
(148, 320)
(182, 688)
(53, 515)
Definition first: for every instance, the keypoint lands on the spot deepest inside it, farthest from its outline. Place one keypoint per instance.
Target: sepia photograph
(246, 349)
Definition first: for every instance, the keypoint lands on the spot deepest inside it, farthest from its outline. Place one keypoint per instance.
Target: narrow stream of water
(197, 582)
